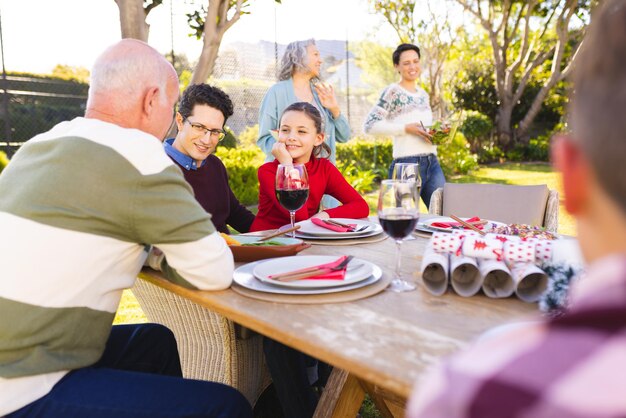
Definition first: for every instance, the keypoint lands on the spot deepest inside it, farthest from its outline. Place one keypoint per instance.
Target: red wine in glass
(398, 226)
(292, 199)
(292, 188)
(398, 212)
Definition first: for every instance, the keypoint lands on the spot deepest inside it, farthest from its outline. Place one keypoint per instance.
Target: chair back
(532, 205)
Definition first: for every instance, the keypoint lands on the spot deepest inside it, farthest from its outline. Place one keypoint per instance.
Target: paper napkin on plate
(336, 228)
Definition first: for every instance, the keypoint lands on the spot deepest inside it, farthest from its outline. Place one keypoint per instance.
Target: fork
(350, 228)
(311, 272)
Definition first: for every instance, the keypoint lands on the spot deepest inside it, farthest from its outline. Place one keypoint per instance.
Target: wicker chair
(533, 205)
(210, 346)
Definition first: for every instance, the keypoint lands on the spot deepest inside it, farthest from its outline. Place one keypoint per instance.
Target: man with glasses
(202, 113)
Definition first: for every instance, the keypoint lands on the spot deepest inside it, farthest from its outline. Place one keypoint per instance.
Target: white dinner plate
(357, 271)
(308, 230)
(243, 276)
(426, 225)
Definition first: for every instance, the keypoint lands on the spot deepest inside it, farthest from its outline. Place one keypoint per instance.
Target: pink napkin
(454, 224)
(327, 275)
(320, 222)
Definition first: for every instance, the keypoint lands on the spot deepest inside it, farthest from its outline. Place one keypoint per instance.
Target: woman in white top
(401, 111)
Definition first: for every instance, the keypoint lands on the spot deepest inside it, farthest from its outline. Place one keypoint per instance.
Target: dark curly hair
(205, 94)
(314, 114)
(402, 48)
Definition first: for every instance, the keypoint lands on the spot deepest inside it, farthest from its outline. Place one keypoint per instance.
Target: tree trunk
(504, 132)
(206, 62)
(133, 19)
(535, 107)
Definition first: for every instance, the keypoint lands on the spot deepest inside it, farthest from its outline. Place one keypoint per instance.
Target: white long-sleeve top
(395, 108)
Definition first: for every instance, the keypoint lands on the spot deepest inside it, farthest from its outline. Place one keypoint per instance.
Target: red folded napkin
(454, 224)
(323, 224)
(326, 275)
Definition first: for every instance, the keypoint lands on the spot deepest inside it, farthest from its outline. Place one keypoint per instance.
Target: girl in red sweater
(301, 140)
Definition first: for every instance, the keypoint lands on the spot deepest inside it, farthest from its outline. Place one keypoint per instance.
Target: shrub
(247, 137)
(455, 156)
(230, 140)
(537, 149)
(363, 181)
(242, 166)
(477, 128)
(4, 160)
(364, 154)
(488, 153)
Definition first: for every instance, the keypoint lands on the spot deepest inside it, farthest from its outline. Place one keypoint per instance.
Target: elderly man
(201, 115)
(571, 366)
(81, 204)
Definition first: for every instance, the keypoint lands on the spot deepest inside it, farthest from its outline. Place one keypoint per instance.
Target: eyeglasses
(203, 130)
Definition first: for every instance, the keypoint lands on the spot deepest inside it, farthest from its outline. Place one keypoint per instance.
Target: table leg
(342, 396)
(389, 405)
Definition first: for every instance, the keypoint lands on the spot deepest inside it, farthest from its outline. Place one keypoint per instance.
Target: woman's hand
(279, 151)
(326, 93)
(416, 129)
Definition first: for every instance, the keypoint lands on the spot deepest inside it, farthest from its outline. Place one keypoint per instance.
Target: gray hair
(294, 59)
(126, 75)
(596, 113)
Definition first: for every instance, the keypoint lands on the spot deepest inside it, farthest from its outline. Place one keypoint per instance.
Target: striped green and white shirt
(79, 207)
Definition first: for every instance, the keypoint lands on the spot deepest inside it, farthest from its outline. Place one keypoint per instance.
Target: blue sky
(38, 34)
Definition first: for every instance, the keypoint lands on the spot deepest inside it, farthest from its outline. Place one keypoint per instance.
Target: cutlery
(279, 233)
(467, 224)
(349, 227)
(310, 272)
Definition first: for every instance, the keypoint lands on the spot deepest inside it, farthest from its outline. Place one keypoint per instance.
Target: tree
(399, 14)
(418, 21)
(133, 15)
(523, 36)
(221, 15)
(375, 61)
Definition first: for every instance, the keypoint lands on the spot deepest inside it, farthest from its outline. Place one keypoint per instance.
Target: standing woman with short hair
(299, 82)
(402, 111)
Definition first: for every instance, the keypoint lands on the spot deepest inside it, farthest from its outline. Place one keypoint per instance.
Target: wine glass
(398, 212)
(292, 188)
(408, 171)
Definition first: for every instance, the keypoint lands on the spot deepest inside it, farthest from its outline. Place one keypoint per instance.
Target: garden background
(497, 70)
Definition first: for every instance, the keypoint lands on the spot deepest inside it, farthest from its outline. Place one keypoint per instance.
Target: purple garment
(570, 366)
(210, 186)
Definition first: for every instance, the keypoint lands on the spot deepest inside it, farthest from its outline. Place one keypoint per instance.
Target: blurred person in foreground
(81, 205)
(572, 365)
(202, 113)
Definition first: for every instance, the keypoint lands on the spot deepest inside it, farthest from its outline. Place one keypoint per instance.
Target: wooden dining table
(380, 345)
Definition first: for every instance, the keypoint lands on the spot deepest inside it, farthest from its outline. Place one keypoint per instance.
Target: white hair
(294, 58)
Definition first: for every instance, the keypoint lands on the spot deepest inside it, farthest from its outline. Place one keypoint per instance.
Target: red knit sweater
(324, 178)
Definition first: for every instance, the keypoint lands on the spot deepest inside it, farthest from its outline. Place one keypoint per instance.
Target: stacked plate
(363, 228)
(255, 276)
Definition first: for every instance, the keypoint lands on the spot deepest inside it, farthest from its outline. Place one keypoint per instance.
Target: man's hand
(326, 93)
(279, 151)
(155, 257)
(416, 129)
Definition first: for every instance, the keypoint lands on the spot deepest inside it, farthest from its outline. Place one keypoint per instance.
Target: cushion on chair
(498, 202)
